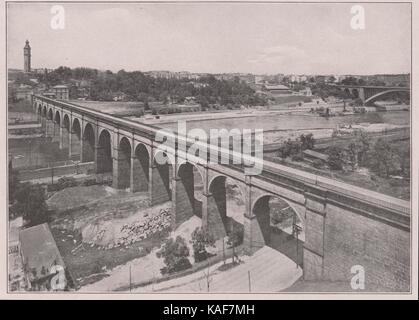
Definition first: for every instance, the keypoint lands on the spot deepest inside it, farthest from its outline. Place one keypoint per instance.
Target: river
(294, 121)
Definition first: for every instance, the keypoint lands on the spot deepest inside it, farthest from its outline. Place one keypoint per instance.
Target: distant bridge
(344, 225)
(370, 93)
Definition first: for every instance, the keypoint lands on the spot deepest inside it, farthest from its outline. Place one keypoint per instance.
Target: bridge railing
(369, 196)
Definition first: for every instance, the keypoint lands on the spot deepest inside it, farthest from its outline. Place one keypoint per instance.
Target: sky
(259, 38)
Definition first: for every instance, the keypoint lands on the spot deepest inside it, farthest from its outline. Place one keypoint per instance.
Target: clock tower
(27, 57)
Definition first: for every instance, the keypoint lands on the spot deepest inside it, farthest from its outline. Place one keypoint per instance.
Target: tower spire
(27, 57)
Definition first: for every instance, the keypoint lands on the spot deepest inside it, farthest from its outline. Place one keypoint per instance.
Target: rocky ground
(95, 229)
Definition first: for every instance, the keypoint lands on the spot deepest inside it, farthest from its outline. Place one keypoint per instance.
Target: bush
(66, 182)
(336, 158)
(175, 255)
(89, 182)
(201, 240)
(384, 159)
(30, 203)
(317, 163)
(298, 157)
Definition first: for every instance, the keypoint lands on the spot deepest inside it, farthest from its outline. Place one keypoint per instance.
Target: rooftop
(39, 249)
(276, 87)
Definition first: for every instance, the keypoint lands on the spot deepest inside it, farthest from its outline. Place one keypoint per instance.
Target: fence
(74, 168)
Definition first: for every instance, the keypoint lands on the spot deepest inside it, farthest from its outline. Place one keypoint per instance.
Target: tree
(201, 240)
(350, 81)
(30, 203)
(335, 157)
(384, 159)
(361, 82)
(235, 238)
(14, 184)
(175, 255)
(307, 141)
(290, 148)
(362, 142)
(404, 152)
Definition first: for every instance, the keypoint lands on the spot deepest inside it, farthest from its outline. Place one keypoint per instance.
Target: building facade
(61, 92)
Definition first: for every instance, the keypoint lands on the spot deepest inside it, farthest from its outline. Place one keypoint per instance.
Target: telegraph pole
(296, 230)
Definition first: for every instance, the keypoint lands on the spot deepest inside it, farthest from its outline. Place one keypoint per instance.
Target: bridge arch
(225, 206)
(76, 128)
(50, 115)
(278, 221)
(189, 186)
(66, 122)
(386, 92)
(88, 150)
(57, 117)
(196, 168)
(141, 168)
(104, 152)
(75, 137)
(162, 171)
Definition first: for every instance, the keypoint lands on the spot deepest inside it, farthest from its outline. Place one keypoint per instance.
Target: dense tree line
(382, 157)
(26, 200)
(138, 86)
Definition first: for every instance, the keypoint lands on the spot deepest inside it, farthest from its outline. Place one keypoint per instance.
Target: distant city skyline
(214, 38)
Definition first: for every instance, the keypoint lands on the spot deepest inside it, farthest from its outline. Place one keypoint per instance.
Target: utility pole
(130, 278)
(207, 276)
(248, 276)
(224, 254)
(296, 230)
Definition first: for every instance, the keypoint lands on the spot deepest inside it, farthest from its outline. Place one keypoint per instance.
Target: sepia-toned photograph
(208, 148)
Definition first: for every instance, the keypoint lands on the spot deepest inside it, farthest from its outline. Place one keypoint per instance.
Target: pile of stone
(113, 235)
(143, 228)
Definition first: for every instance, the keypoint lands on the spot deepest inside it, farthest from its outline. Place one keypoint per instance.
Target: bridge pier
(253, 238)
(313, 257)
(159, 186)
(82, 148)
(121, 169)
(213, 217)
(103, 162)
(70, 141)
(55, 132)
(74, 145)
(49, 128)
(43, 121)
(183, 204)
(64, 137)
(361, 93)
(138, 176)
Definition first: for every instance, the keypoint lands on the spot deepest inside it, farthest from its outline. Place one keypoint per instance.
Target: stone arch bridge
(344, 225)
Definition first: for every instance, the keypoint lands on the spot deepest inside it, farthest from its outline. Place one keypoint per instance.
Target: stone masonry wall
(353, 239)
